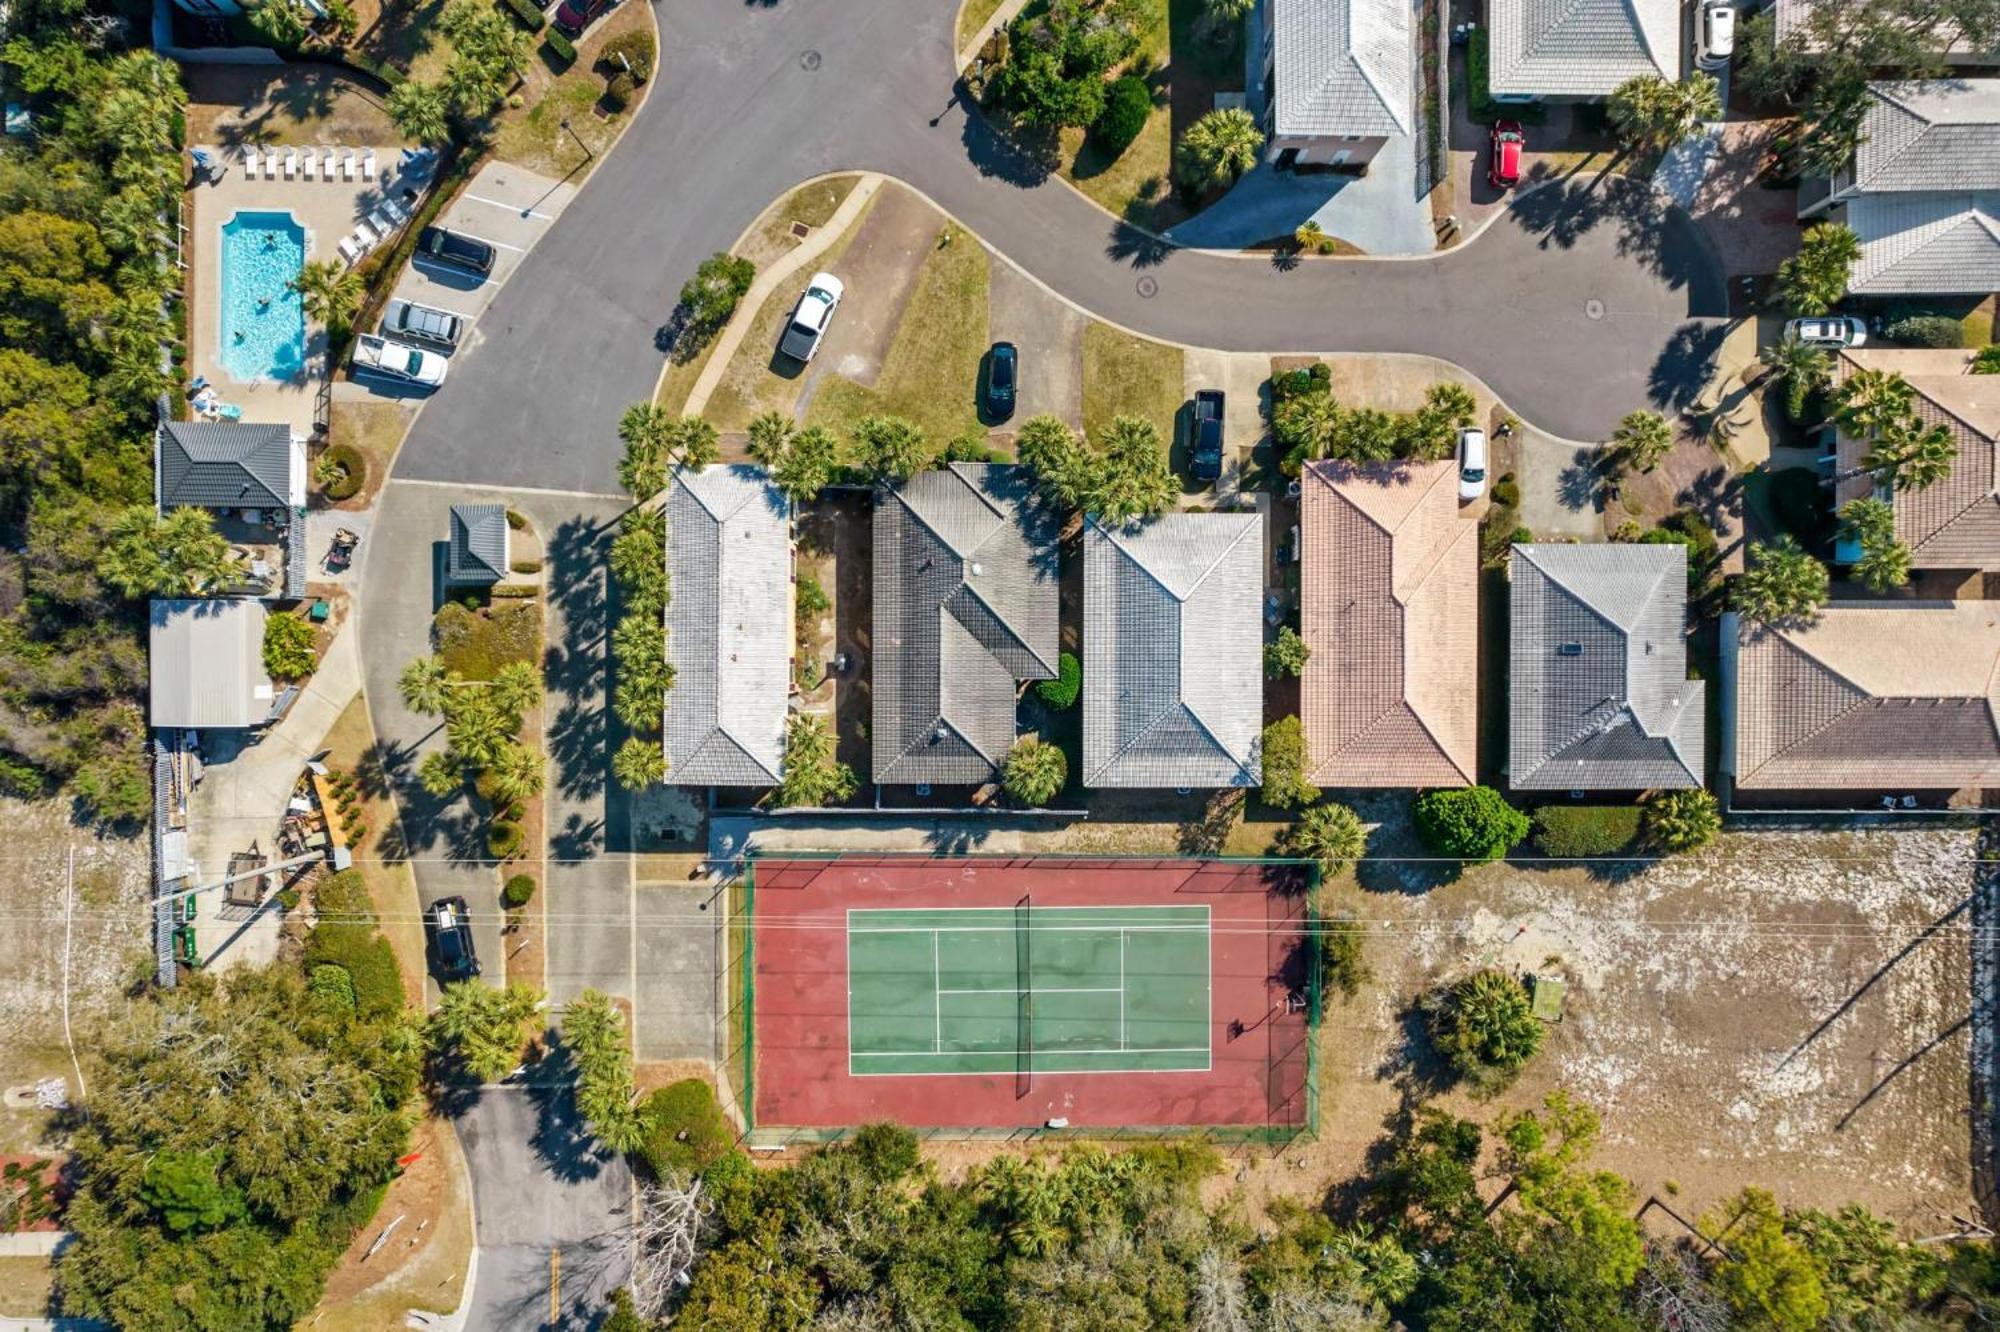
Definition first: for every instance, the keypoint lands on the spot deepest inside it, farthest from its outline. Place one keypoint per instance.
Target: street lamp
(588, 155)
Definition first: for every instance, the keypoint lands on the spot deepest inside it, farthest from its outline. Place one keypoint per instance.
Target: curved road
(1576, 306)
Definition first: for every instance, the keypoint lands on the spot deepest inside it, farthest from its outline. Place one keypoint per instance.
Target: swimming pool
(263, 322)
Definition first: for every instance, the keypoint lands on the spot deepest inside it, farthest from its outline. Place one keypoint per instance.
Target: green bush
(353, 471)
(503, 840)
(710, 297)
(638, 49)
(1127, 105)
(1469, 823)
(517, 520)
(1987, 361)
(686, 1130)
(288, 647)
(345, 936)
(1285, 765)
(367, 64)
(1926, 330)
(1315, 380)
(333, 989)
(1507, 491)
(518, 892)
(531, 18)
(1343, 965)
(1060, 693)
(1485, 1026)
(619, 92)
(526, 566)
(1572, 831)
(514, 590)
(559, 46)
(812, 598)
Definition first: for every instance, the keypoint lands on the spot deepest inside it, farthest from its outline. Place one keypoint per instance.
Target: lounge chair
(252, 162)
(312, 164)
(347, 165)
(351, 250)
(382, 222)
(395, 209)
(368, 164)
(291, 163)
(270, 164)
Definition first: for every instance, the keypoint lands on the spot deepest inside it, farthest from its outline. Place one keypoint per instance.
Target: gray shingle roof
(729, 627)
(478, 552)
(1343, 67)
(1923, 244)
(206, 660)
(1173, 680)
(1599, 698)
(1933, 134)
(1579, 48)
(1870, 696)
(223, 465)
(966, 604)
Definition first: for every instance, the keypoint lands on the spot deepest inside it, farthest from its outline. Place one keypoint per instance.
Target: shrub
(517, 520)
(1060, 693)
(288, 647)
(1127, 105)
(1570, 831)
(1035, 771)
(712, 294)
(638, 49)
(1315, 380)
(812, 598)
(347, 471)
(1286, 654)
(559, 47)
(531, 18)
(1285, 765)
(1469, 823)
(1485, 1027)
(1682, 820)
(1507, 491)
(514, 590)
(1343, 964)
(526, 566)
(519, 891)
(1926, 330)
(685, 1129)
(618, 93)
(332, 988)
(504, 839)
(1987, 361)
(345, 937)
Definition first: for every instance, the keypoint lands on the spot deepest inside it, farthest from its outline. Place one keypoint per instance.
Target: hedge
(517, 520)
(618, 93)
(1469, 823)
(346, 937)
(1507, 491)
(353, 471)
(526, 566)
(513, 590)
(520, 890)
(560, 45)
(1127, 105)
(685, 1128)
(1569, 831)
(1060, 693)
(638, 49)
(388, 73)
(1479, 103)
(1926, 330)
(527, 13)
(503, 840)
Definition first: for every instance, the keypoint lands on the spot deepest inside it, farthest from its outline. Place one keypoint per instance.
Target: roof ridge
(1975, 216)
(709, 740)
(1179, 705)
(1227, 550)
(1369, 76)
(1820, 664)
(965, 585)
(930, 527)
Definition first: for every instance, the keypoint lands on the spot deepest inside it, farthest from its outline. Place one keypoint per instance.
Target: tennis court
(1028, 989)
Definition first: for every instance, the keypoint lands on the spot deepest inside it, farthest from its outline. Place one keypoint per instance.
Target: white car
(399, 360)
(807, 327)
(1471, 465)
(1828, 331)
(1715, 33)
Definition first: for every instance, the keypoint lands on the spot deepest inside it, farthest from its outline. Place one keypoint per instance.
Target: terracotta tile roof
(1871, 696)
(1390, 607)
(1954, 524)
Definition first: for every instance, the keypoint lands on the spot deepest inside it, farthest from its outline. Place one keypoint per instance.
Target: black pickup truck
(449, 247)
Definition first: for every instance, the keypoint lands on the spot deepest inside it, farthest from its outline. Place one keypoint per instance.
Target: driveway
(1382, 212)
(752, 99)
(552, 1210)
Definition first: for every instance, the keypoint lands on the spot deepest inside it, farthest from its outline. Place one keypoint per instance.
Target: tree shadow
(1026, 163)
(1142, 248)
(562, 1139)
(1685, 366)
(577, 838)
(1580, 486)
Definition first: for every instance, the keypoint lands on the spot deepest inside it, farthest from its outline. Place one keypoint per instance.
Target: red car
(1505, 167)
(573, 16)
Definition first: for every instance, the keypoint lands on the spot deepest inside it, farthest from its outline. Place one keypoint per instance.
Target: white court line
(1121, 989)
(1047, 989)
(1190, 927)
(516, 210)
(937, 1009)
(995, 1054)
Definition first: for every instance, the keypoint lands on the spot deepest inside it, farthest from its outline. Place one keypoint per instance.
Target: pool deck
(328, 210)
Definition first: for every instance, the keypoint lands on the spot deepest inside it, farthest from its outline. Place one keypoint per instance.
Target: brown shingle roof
(1872, 697)
(1390, 608)
(1954, 524)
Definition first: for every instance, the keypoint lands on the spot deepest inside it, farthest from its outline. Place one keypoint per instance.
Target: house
(206, 660)
(1340, 74)
(966, 605)
(253, 479)
(729, 627)
(1922, 192)
(1173, 648)
(1793, 26)
(1389, 605)
(1870, 696)
(1954, 524)
(1580, 49)
(1599, 698)
(477, 553)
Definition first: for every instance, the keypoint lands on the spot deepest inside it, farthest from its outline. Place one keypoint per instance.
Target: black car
(1205, 447)
(1003, 365)
(460, 251)
(450, 929)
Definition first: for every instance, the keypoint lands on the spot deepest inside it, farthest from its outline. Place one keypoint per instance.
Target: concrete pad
(675, 945)
(1049, 333)
(1561, 487)
(1381, 212)
(879, 269)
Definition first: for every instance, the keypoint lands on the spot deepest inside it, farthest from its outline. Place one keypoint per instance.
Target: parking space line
(515, 210)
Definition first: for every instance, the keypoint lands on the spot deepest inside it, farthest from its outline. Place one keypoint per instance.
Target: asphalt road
(552, 1210)
(1578, 305)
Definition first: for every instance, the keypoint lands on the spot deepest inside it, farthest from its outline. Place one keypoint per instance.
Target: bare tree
(1671, 1292)
(1218, 1294)
(665, 1241)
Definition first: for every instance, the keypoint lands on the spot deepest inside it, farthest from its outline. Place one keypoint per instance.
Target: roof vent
(1569, 649)
(976, 570)
(942, 734)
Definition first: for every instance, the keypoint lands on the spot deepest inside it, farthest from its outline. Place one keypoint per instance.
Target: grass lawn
(477, 644)
(535, 137)
(972, 16)
(1128, 376)
(771, 238)
(375, 429)
(749, 385)
(25, 1284)
(931, 373)
(392, 885)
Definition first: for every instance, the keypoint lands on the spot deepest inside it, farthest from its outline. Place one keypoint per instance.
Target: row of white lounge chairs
(337, 163)
(381, 224)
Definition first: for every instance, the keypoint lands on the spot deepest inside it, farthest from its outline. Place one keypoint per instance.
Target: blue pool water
(263, 320)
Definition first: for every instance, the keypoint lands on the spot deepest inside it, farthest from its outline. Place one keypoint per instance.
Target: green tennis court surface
(1028, 989)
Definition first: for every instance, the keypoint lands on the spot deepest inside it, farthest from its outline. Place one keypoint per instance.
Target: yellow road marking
(555, 1286)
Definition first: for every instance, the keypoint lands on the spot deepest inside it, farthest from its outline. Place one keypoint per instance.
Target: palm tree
(516, 687)
(1652, 112)
(1883, 566)
(1927, 453)
(1643, 439)
(1868, 522)
(770, 438)
(1133, 479)
(808, 464)
(1801, 367)
(330, 292)
(421, 111)
(442, 774)
(639, 763)
(425, 685)
(692, 440)
(1332, 835)
(1816, 277)
(1869, 400)
(1309, 236)
(1783, 582)
(475, 727)
(515, 772)
(1217, 149)
(643, 429)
